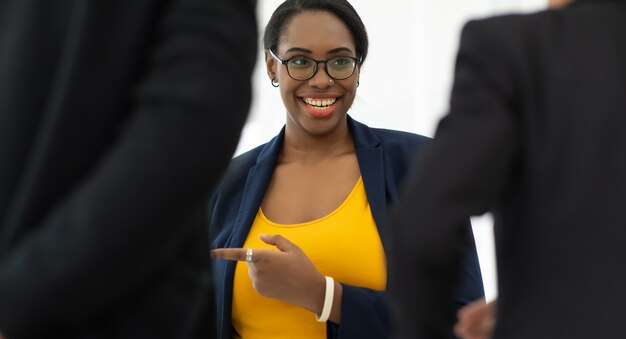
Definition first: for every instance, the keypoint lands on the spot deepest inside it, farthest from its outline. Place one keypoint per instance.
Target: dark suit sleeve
(464, 172)
(470, 283)
(123, 223)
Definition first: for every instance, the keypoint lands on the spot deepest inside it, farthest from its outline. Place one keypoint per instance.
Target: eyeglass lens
(337, 68)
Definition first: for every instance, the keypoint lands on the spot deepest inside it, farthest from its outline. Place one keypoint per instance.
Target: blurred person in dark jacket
(116, 120)
(535, 134)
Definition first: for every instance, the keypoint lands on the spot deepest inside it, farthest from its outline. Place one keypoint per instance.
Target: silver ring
(249, 255)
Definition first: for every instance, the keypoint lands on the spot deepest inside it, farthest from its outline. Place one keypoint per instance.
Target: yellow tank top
(345, 245)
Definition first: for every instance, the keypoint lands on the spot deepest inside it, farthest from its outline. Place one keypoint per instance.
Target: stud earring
(274, 82)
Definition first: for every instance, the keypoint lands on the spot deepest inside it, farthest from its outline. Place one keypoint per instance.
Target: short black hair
(340, 8)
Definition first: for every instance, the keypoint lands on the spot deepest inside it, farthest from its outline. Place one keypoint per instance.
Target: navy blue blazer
(385, 158)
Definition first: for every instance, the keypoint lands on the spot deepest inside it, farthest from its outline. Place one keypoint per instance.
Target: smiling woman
(300, 223)
(304, 87)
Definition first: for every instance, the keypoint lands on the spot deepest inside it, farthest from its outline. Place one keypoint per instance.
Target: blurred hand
(558, 3)
(286, 274)
(476, 320)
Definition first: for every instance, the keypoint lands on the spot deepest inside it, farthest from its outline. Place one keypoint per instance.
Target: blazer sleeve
(365, 314)
(122, 225)
(465, 171)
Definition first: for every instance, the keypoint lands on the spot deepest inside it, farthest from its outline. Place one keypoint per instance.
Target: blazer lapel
(258, 179)
(371, 163)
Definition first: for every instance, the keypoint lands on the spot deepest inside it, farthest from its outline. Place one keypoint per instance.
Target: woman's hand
(476, 320)
(286, 274)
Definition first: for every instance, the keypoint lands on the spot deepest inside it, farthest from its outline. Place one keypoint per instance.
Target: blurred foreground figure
(535, 134)
(116, 120)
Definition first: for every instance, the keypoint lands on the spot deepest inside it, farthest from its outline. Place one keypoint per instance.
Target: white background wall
(410, 97)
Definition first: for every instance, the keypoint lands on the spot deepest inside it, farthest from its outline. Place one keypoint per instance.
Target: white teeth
(319, 102)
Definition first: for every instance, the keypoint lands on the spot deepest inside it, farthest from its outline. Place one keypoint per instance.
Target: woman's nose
(321, 79)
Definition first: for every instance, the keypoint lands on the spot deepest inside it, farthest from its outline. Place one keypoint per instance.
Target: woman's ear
(270, 64)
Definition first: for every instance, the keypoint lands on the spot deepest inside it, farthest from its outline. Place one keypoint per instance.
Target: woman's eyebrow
(332, 51)
(339, 49)
(299, 49)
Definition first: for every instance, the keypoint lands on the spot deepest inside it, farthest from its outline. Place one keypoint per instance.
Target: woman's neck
(303, 147)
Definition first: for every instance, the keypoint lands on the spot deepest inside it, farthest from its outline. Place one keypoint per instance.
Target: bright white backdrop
(411, 96)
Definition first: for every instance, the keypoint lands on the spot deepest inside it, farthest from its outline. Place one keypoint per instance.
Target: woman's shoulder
(400, 150)
(401, 143)
(247, 158)
(396, 143)
(238, 168)
(397, 136)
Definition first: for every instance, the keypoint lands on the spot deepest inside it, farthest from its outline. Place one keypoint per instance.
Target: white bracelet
(328, 300)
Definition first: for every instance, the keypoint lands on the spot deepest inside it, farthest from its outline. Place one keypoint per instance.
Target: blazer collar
(258, 179)
(370, 156)
(364, 138)
(269, 153)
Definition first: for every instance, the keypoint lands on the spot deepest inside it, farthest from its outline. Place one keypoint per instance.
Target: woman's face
(317, 106)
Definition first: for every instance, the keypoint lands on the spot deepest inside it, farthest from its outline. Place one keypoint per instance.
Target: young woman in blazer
(302, 220)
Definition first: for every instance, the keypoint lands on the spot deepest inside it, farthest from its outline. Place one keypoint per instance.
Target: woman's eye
(299, 62)
(342, 61)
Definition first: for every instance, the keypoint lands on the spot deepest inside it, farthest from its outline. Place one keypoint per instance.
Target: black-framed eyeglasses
(303, 68)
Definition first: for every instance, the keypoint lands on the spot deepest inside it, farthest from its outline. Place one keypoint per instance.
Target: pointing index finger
(236, 254)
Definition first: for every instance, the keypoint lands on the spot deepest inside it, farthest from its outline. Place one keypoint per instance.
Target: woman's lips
(320, 107)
